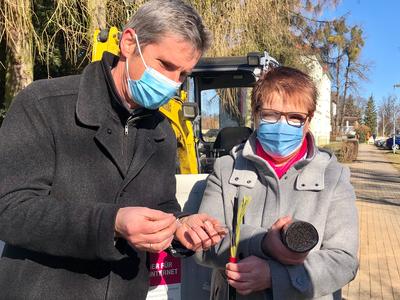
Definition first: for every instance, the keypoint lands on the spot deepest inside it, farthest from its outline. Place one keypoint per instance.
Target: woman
(287, 177)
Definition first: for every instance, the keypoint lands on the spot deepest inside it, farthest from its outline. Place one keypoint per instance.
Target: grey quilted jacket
(316, 189)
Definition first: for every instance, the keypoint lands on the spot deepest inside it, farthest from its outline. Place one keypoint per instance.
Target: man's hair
(158, 18)
(285, 83)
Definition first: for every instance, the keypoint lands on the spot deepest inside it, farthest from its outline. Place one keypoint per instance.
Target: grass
(394, 158)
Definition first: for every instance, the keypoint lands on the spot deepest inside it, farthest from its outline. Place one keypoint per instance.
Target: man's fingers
(158, 247)
(153, 226)
(154, 214)
(161, 235)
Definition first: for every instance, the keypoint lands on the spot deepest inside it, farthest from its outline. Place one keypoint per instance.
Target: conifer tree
(370, 115)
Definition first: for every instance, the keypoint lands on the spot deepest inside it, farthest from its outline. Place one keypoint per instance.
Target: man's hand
(199, 231)
(249, 275)
(145, 229)
(273, 246)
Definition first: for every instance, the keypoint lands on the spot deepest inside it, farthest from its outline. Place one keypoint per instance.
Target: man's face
(171, 56)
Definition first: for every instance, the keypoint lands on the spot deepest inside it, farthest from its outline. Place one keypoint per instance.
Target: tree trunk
(3, 51)
(337, 96)
(19, 62)
(346, 87)
(97, 15)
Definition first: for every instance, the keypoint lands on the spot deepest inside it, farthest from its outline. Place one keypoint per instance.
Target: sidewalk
(377, 185)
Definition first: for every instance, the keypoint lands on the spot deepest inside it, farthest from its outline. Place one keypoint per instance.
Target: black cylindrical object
(299, 236)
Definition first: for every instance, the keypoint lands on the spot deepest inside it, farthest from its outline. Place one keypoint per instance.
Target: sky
(380, 21)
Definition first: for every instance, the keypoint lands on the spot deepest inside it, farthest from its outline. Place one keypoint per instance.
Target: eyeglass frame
(285, 114)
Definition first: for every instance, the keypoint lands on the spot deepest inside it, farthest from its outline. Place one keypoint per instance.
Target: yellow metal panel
(111, 44)
(184, 135)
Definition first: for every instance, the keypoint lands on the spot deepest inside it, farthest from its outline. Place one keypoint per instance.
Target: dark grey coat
(65, 168)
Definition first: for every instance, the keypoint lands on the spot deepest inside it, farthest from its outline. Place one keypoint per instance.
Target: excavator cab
(222, 87)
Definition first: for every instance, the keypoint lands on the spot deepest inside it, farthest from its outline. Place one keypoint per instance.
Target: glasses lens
(270, 116)
(296, 119)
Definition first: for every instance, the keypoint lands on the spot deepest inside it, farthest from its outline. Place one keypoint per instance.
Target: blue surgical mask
(153, 89)
(279, 139)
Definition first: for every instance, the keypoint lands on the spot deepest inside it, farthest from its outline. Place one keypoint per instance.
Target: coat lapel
(108, 136)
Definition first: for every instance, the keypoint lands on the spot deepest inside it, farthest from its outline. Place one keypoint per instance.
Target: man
(87, 162)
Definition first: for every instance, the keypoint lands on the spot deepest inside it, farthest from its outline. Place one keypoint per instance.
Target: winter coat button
(236, 178)
(248, 181)
(109, 131)
(316, 184)
(303, 184)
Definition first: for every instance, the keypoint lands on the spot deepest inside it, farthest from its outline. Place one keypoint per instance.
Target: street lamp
(394, 131)
(397, 85)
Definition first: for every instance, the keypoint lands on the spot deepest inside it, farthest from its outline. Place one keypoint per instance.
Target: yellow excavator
(212, 112)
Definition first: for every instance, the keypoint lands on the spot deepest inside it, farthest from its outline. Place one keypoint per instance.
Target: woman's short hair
(285, 83)
(157, 18)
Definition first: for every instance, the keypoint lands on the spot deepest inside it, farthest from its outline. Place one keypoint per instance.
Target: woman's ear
(127, 43)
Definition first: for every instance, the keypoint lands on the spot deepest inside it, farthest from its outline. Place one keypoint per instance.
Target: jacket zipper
(131, 120)
(128, 121)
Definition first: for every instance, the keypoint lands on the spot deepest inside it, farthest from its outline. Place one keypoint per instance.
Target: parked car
(380, 142)
(389, 142)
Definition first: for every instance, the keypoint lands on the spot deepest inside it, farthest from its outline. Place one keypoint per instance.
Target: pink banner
(164, 269)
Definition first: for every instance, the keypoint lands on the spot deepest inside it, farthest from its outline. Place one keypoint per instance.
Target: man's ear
(127, 43)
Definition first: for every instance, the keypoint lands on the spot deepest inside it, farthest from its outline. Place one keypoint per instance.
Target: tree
(16, 25)
(57, 34)
(370, 115)
(352, 52)
(340, 46)
(387, 108)
(353, 108)
(97, 15)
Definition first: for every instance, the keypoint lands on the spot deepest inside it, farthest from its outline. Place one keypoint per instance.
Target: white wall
(321, 123)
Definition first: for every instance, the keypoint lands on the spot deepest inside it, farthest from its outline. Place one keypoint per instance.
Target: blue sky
(380, 21)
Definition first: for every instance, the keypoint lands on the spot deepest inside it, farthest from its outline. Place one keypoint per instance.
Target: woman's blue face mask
(279, 139)
(153, 89)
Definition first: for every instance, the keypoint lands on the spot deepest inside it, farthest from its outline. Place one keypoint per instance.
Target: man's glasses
(296, 119)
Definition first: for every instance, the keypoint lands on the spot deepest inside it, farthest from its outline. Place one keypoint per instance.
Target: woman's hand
(249, 275)
(272, 245)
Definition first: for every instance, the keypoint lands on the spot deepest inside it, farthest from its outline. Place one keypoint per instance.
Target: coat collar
(94, 103)
(97, 107)
(310, 171)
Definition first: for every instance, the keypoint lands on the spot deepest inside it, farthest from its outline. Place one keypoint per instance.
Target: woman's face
(289, 106)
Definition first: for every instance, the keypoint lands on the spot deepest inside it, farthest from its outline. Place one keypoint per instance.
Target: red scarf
(281, 170)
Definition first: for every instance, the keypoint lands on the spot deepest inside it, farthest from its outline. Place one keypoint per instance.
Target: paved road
(374, 177)
(377, 186)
